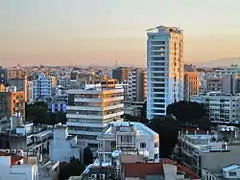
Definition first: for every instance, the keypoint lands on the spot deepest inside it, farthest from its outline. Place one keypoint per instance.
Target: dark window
(142, 145)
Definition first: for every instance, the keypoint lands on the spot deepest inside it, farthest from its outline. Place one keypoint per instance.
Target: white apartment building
(89, 110)
(15, 167)
(220, 107)
(165, 69)
(128, 137)
(137, 84)
(42, 87)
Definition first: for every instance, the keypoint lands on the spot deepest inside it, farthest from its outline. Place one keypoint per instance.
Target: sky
(84, 32)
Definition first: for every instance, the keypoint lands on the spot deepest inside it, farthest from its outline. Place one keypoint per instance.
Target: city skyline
(94, 32)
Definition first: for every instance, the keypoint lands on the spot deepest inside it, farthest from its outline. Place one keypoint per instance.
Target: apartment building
(16, 73)
(42, 87)
(12, 103)
(3, 75)
(165, 72)
(137, 84)
(128, 136)
(90, 109)
(202, 150)
(121, 74)
(220, 107)
(107, 83)
(191, 84)
(20, 83)
(214, 84)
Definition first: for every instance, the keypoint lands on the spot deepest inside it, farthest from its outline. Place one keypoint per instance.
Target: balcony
(85, 108)
(80, 116)
(120, 98)
(113, 115)
(113, 107)
(78, 132)
(96, 100)
(69, 123)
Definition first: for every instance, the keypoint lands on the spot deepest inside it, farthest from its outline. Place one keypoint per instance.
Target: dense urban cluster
(167, 121)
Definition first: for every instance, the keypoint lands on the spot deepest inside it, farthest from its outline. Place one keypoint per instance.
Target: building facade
(137, 84)
(121, 74)
(12, 103)
(89, 110)
(3, 75)
(191, 84)
(20, 83)
(220, 107)
(164, 69)
(128, 136)
(42, 87)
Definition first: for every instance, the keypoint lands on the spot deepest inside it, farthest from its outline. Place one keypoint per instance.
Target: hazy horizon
(59, 32)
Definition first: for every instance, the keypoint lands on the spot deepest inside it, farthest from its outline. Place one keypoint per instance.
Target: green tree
(74, 168)
(167, 128)
(61, 117)
(37, 112)
(187, 112)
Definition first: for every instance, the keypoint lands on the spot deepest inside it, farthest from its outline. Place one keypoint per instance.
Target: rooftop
(204, 142)
(140, 128)
(145, 169)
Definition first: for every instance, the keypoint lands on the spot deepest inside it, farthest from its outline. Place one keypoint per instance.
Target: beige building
(137, 84)
(15, 72)
(191, 84)
(12, 103)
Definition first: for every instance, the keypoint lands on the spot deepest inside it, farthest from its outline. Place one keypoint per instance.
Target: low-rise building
(200, 150)
(15, 167)
(220, 107)
(128, 136)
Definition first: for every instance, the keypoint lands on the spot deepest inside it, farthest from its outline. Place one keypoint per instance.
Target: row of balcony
(89, 116)
(94, 108)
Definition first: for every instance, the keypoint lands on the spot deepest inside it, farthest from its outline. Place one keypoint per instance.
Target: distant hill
(220, 62)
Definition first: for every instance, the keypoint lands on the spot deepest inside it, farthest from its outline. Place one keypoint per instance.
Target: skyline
(94, 32)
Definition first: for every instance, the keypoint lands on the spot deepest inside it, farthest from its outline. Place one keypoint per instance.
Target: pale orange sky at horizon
(89, 32)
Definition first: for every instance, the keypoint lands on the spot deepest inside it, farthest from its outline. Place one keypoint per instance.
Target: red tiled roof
(14, 158)
(143, 169)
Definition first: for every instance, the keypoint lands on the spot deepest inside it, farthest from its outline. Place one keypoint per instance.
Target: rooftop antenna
(116, 64)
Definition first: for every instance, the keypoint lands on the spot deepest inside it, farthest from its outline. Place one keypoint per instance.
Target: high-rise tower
(165, 69)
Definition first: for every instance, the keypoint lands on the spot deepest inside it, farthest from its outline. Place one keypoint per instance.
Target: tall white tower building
(165, 69)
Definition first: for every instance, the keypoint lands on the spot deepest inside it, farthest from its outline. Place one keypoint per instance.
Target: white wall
(17, 172)
(149, 140)
(60, 148)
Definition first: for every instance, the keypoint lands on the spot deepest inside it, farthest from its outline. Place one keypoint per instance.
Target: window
(232, 173)
(156, 144)
(142, 145)
(155, 156)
